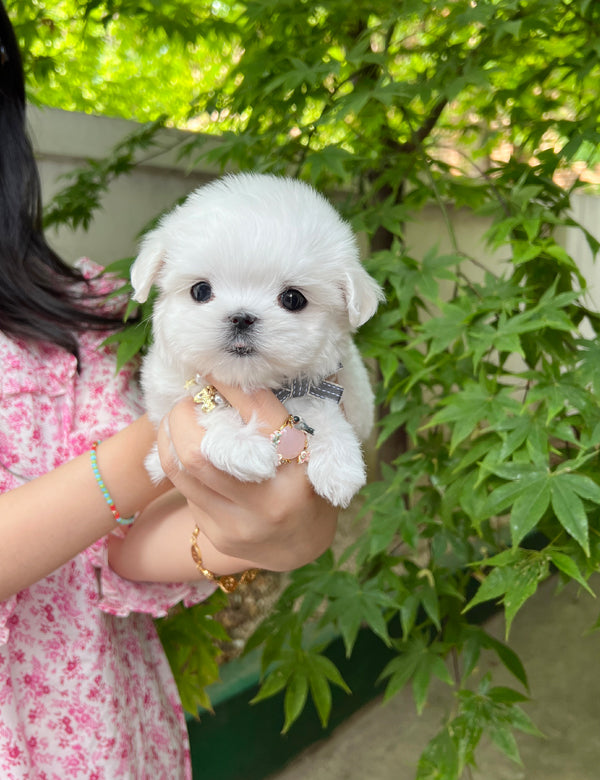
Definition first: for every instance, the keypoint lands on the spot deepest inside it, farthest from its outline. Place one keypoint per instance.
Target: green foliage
(135, 335)
(117, 58)
(489, 383)
(298, 671)
(189, 637)
(492, 710)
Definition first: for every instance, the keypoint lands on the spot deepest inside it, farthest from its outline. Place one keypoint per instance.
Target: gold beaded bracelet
(227, 582)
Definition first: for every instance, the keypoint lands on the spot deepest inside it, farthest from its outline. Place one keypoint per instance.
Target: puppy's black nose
(242, 320)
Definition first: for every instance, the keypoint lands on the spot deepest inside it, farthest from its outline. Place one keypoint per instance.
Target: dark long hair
(41, 297)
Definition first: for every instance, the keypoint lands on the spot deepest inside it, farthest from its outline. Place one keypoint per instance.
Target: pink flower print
(7, 455)
(92, 595)
(70, 666)
(66, 721)
(96, 391)
(36, 686)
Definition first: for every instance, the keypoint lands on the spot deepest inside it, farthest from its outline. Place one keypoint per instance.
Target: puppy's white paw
(337, 480)
(153, 467)
(241, 452)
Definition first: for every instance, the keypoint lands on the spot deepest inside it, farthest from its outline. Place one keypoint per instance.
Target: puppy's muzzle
(242, 333)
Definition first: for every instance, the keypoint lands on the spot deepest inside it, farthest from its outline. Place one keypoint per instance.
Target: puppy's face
(259, 282)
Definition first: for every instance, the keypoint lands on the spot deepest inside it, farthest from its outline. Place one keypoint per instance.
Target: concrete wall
(586, 210)
(64, 140)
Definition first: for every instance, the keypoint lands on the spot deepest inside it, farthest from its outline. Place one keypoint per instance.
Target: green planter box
(241, 740)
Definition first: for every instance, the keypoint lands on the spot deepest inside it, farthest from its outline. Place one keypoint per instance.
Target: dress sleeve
(120, 597)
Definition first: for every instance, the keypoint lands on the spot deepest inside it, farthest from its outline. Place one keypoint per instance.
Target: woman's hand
(279, 524)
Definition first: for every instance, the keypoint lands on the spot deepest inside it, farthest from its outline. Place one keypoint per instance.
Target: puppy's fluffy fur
(229, 265)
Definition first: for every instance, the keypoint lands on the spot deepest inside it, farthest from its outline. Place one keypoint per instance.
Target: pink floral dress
(85, 688)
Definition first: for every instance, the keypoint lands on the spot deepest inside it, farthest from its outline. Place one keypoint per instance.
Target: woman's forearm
(158, 547)
(49, 520)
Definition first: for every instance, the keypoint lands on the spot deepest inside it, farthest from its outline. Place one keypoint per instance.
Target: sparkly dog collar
(295, 388)
(303, 386)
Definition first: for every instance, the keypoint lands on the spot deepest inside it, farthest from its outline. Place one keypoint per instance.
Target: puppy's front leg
(153, 466)
(237, 447)
(336, 467)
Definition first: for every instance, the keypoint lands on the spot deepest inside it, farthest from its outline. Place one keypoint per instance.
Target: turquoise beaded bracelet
(111, 504)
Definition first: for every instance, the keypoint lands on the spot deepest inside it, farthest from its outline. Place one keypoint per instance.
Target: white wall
(586, 210)
(63, 141)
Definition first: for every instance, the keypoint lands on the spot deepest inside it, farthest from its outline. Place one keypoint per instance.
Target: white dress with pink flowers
(85, 688)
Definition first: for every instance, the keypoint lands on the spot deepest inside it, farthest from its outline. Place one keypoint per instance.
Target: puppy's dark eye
(201, 292)
(292, 300)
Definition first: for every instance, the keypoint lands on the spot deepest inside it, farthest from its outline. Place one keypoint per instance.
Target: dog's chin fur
(251, 238)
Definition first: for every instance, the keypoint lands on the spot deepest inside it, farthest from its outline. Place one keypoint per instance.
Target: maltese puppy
(260, 286)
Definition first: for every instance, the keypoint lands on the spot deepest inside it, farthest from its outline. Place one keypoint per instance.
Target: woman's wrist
(207, 558)
(158, 547)
(228, 583)
(124, 479)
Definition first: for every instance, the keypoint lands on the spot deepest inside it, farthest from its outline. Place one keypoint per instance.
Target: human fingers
(179, 438)
(278, 533)
(186, 431)
(220, 494)
(279, 523)
(179, 443)
(262, 404)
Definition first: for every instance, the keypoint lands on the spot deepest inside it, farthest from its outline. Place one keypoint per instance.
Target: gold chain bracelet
(227, 582)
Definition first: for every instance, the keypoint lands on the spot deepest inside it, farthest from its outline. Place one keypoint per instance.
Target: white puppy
(260, 286)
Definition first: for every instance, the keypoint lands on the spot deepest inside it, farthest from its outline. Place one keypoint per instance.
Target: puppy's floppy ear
(147, 265)
(362, 295)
